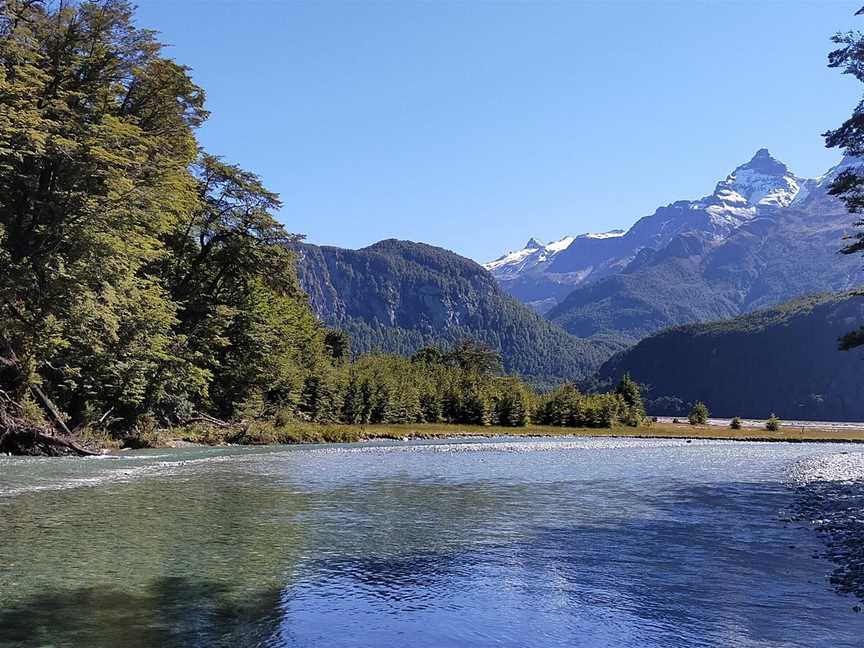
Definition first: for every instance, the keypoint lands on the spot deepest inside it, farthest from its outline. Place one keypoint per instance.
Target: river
(562, 542)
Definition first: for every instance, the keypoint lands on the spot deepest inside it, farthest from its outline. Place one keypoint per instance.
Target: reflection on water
(534, 543)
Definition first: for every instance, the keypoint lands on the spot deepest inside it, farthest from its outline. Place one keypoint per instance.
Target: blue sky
(475, 125)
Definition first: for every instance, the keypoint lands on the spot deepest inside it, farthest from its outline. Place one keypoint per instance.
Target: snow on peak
(604, 235)
(824, 181)
(511, 259)
(763, 180)
(533, 253)
(765, 163)
(560, 244)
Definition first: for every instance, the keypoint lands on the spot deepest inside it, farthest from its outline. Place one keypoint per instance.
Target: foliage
(567, 406)
(773, 423)
(142, 277)
(429, 388)
(699, 414)
(452, 386)
(735, 423)
(848, 185)
(632, 410)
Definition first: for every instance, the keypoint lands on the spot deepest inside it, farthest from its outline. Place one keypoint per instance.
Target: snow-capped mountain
(543, 275)
(763, 181)
(763, 237)
(535, 253)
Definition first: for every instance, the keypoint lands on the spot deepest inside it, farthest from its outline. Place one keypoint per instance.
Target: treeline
(463, 385)
(143, 279)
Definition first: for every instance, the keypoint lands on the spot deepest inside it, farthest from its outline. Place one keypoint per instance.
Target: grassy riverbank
(261, 434)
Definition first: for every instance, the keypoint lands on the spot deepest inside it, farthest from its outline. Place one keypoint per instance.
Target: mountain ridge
(696, 260)
(399, 296)
(542, 279)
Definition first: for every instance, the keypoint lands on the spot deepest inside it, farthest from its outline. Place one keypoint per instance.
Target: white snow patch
(510, 258)
(560, 244)
(757, 188)
(604, 235)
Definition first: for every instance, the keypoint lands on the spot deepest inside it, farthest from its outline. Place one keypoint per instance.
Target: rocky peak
(763, 181)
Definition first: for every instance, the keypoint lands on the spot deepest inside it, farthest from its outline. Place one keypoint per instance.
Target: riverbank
(255, 434)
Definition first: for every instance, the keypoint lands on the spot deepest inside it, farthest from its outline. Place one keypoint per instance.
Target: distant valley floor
(797, 431)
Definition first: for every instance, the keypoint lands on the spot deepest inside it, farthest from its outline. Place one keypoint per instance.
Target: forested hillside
(784, 360)
(399, 296)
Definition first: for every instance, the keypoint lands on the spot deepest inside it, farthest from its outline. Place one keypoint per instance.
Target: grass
(267, 433)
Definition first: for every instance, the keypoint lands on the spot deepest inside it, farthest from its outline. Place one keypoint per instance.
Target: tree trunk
(28, 440)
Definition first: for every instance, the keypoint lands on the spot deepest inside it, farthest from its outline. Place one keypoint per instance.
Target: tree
(141, 276)
(512, 403)
(848, 185)
(242, 313)
(470, 355)
(699, 414)
(96, 134)
(633, 409)
(429, 355)
(338, 345)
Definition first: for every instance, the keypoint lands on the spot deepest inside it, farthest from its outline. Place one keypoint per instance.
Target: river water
(565, 542)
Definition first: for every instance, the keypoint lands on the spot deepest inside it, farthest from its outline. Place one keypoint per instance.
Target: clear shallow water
(593, 542)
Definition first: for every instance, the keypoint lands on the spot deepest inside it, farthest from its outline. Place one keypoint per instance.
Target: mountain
(762, 238)
(784, 360)
(398, 296)
(761, 185)
(525, 273)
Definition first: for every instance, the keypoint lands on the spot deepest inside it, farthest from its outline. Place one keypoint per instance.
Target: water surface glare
(565, 542)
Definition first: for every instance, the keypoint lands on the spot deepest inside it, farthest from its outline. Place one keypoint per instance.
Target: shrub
(699, 414)
(773, 423)
(631, 410)
(735, 424)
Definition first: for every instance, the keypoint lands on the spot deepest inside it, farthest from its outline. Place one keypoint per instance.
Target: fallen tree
(21, 437)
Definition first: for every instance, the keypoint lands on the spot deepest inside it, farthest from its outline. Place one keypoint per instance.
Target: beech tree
(848, 185)
(138, 274)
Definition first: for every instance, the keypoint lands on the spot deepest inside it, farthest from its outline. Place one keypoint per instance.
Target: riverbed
(500, 542)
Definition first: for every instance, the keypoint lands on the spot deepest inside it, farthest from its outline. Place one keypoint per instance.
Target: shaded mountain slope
(784, 360)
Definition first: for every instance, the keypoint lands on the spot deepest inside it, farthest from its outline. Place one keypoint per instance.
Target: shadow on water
(171, 612)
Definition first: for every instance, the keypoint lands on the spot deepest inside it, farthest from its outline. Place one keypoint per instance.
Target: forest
(147, 281)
